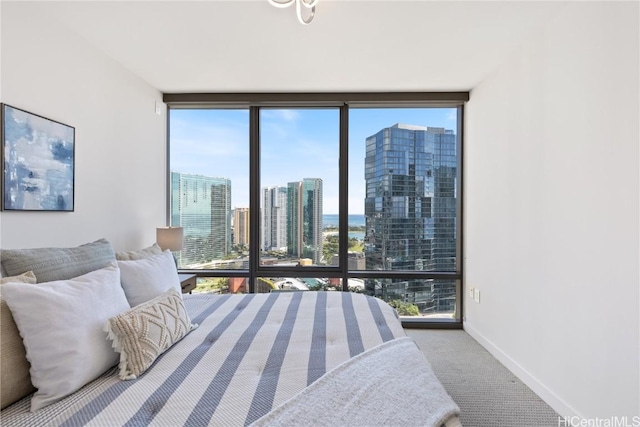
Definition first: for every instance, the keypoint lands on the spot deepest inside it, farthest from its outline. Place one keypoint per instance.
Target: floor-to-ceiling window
(320, 194)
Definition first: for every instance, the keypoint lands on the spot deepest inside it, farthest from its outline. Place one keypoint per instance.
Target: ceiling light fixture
(310, 5)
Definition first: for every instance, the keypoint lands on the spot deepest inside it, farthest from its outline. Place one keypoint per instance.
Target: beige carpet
(488, 394)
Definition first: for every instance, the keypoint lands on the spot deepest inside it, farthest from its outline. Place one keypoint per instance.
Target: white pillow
(147, 278)
(61, 324)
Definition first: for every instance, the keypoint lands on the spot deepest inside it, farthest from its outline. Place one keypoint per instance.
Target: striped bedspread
(250, 354)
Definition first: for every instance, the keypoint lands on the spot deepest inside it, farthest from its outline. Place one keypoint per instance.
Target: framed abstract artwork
(38, 156)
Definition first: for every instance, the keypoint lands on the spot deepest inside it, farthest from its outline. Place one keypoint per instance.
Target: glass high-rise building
(294, 217)
(410, 211)
(202, 206)
(274, 219)
(304, 219)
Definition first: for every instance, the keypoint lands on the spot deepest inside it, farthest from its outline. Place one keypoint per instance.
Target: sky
(295, 144)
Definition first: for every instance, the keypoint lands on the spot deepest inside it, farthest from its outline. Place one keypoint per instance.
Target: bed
(284, 358)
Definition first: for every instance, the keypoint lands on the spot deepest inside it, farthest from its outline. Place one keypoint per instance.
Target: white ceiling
(352, 45)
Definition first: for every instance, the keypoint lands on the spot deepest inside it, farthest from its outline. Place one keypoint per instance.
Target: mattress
(251, 354)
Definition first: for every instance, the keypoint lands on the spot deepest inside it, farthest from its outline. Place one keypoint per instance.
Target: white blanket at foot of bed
(395, 386)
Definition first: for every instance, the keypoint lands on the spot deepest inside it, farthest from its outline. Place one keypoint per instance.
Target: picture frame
(38, 162)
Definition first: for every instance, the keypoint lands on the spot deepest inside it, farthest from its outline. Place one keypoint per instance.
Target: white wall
(552, 211)
(120, 142)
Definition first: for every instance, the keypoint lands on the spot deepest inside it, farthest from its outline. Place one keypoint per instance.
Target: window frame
(254, 102)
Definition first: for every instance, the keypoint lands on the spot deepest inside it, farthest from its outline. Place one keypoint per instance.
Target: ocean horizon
(356, 220)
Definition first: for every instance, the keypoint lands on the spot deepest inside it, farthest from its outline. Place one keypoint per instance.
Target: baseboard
(563, 409)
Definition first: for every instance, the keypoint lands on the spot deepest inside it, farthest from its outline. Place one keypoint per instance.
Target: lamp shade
(169, 238)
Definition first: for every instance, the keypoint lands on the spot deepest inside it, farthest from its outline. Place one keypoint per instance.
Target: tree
(355, 245)
(404, 308)
(330, 247)
(213, 284)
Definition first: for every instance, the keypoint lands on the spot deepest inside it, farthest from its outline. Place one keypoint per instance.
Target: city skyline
(291, 218)
(410, 216)
(295, 142)
(410, 213)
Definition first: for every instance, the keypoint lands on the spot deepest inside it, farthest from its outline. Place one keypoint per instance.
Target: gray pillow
(14, 366)
(139, 254)
(49, 264)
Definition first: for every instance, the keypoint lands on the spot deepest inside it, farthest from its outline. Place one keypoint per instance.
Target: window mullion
(343, 196)
(254, 195)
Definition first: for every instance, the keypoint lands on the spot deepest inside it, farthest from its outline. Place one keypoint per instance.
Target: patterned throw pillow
(144, 332)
